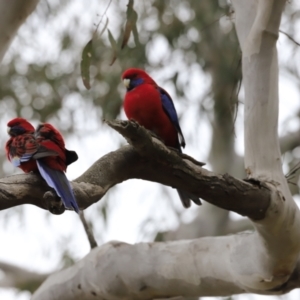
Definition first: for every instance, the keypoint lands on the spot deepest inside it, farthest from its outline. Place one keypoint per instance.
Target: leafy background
(64, 67)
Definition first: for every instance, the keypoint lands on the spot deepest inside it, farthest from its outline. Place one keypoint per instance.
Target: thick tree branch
(147, 159)
(160, 270)
(205, 225)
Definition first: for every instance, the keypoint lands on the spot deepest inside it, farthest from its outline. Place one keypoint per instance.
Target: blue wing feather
(60, 183)
(24, 148)
(17, 160)
(170, 110)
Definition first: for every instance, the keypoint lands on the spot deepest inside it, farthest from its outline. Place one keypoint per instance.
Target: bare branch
(147, 159)
(191, 268)
(289, 37)
(88, 231)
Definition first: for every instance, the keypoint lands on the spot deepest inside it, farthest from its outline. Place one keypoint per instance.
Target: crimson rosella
(152, 107)
(53, 168)
(22, 146)
(42, 151)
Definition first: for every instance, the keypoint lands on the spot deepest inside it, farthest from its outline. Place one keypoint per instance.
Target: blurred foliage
(46, 73)
(191, 28)
(198, 33)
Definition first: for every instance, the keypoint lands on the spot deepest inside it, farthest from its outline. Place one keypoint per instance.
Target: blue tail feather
(60, 183)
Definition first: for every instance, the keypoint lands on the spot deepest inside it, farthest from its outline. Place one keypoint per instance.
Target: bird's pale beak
(8, 130)
(126, 82)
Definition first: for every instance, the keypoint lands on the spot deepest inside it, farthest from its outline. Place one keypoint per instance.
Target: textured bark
(148, 159)
(118, 270)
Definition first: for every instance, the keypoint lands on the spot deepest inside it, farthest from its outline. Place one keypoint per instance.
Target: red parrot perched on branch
(53, 168)
(44, 151)
(21, 145)
(152, 107)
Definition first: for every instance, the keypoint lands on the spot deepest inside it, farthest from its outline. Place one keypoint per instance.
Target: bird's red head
(19, 126)
(135, 77)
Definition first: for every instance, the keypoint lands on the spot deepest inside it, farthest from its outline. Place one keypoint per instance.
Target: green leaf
(86, 58)
(135, 35)
(130, 23)
(114, 46)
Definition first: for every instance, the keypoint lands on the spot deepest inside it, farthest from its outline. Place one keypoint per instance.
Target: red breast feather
(143, 104)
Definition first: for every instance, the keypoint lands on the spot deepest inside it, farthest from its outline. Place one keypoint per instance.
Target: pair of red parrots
(43, 150)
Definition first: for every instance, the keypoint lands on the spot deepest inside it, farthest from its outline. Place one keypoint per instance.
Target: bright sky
(34, 239)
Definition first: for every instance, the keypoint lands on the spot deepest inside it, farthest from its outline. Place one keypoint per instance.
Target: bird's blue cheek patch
(25, 157)
(135, 82)
(15, 161)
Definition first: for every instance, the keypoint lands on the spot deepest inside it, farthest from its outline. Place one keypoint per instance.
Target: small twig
(88, 231)
(293, 171)
(100, 21)
(211, 23)
(289, 37)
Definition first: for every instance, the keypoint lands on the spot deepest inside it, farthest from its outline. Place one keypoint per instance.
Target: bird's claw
(193, 160)
(53, 203)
